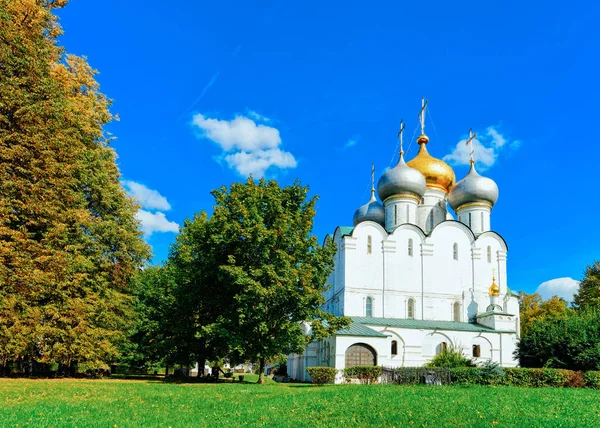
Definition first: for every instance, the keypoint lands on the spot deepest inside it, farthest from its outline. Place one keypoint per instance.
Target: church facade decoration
(414, 280)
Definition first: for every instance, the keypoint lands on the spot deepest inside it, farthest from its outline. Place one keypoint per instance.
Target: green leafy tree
(588, 294)
(533, 307)
(256, 262)
(69, 240)
(451, 357)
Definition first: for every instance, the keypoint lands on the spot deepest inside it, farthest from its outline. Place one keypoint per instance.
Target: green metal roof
(356, 329)
(509, 291)
(346, 230)
(495, 313)
(423, 324)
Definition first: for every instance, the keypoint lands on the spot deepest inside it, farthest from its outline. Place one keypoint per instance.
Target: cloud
(258, 117)
(487, 147)
(351, 143)
(247, 147)
(148, 198)
(561, 287)
(155, 222)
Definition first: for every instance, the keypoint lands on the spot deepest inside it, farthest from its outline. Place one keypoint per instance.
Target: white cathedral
(413, 279)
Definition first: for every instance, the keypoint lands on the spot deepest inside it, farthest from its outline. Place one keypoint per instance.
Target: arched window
(422, 201)
(410, 309)
(410, 247)
(476, 351)
(469, 219)
(395, 215)
(443, 347)
(394, 347)
(456, 311)
(455, 251)
(489, 254)
(369, 307)
(369, 245)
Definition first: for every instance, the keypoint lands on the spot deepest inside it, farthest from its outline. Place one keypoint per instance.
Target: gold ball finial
(423, 139)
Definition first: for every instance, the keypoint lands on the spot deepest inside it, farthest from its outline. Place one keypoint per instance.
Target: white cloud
(257, 162)
(561, 287)
(148, 198)
(247, 147)
(258, 117)
(155, 222)
(487, 147)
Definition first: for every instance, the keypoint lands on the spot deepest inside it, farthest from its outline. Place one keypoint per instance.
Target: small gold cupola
(494, 289)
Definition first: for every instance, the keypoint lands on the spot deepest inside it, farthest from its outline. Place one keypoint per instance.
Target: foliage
(592, 379)
(70, 242)
(572, 342)
(322, 375)
(365, 374)
(134, 403)
(588, 295)
(533, 307)
(453, 356)
(414, 375)
(253, 273)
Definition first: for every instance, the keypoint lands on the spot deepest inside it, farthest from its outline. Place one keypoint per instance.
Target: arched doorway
(360, 354)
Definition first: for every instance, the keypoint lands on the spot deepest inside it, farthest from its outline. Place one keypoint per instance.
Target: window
(489, 254)
(395, 215)
(476, 351)
(407, 214)
(482, 228)
(410, 247)
(455, 251)
(369, 244)
(360, 354)
(410, 310)
(394, 347)
(443, 347)
(369, 307)
(422, 201)
(456, 311)
(469, 219)
(431, 221)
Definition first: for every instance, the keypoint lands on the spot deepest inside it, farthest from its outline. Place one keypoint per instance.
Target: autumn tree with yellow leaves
(69, 240)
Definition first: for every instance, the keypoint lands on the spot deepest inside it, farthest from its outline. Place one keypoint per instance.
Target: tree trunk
(261, 371)
(202, 358)
(167, 371)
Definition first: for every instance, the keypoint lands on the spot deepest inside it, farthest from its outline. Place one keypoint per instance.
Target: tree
(533, 307)
(570, 342)
(69, 240)
(588, 294)
(275, 267)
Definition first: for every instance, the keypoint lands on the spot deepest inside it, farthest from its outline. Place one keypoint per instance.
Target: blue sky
(207, 92)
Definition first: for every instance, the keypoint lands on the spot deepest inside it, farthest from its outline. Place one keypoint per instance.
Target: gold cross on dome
(472, 136)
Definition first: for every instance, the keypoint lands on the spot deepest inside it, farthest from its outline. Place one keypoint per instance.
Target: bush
(592, 379)
(452, 357)
(322, 375)
(576, 380)
(365, 374)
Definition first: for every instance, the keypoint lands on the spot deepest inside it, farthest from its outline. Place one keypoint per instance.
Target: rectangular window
(476, 351)
(369, 245)
(469, 219)
(395, 215)
(482, 227)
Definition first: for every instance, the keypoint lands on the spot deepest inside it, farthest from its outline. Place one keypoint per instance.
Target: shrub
(365, 374)
(322, 375)
(452, 357)
(592, 379)
(576, 380)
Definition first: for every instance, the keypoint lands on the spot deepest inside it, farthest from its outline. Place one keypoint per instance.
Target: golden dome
(494, 289)
(438, 174)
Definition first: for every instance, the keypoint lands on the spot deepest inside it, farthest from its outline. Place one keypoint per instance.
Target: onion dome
(494, 290)
(474, 188)
(401, 180)
(438, 174)
(371, 211)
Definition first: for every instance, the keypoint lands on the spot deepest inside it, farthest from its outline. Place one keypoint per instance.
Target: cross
(470, 141)
(494, 274)
(422, 114)
(372, 179)
(402, 126)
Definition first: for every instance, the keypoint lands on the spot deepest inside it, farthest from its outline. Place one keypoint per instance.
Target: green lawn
(110, 403)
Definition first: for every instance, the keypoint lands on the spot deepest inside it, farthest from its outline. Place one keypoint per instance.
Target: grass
(124, 403)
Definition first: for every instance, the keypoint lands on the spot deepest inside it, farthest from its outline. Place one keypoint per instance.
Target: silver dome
(401, 179)
(371, 211)
(473, 188)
